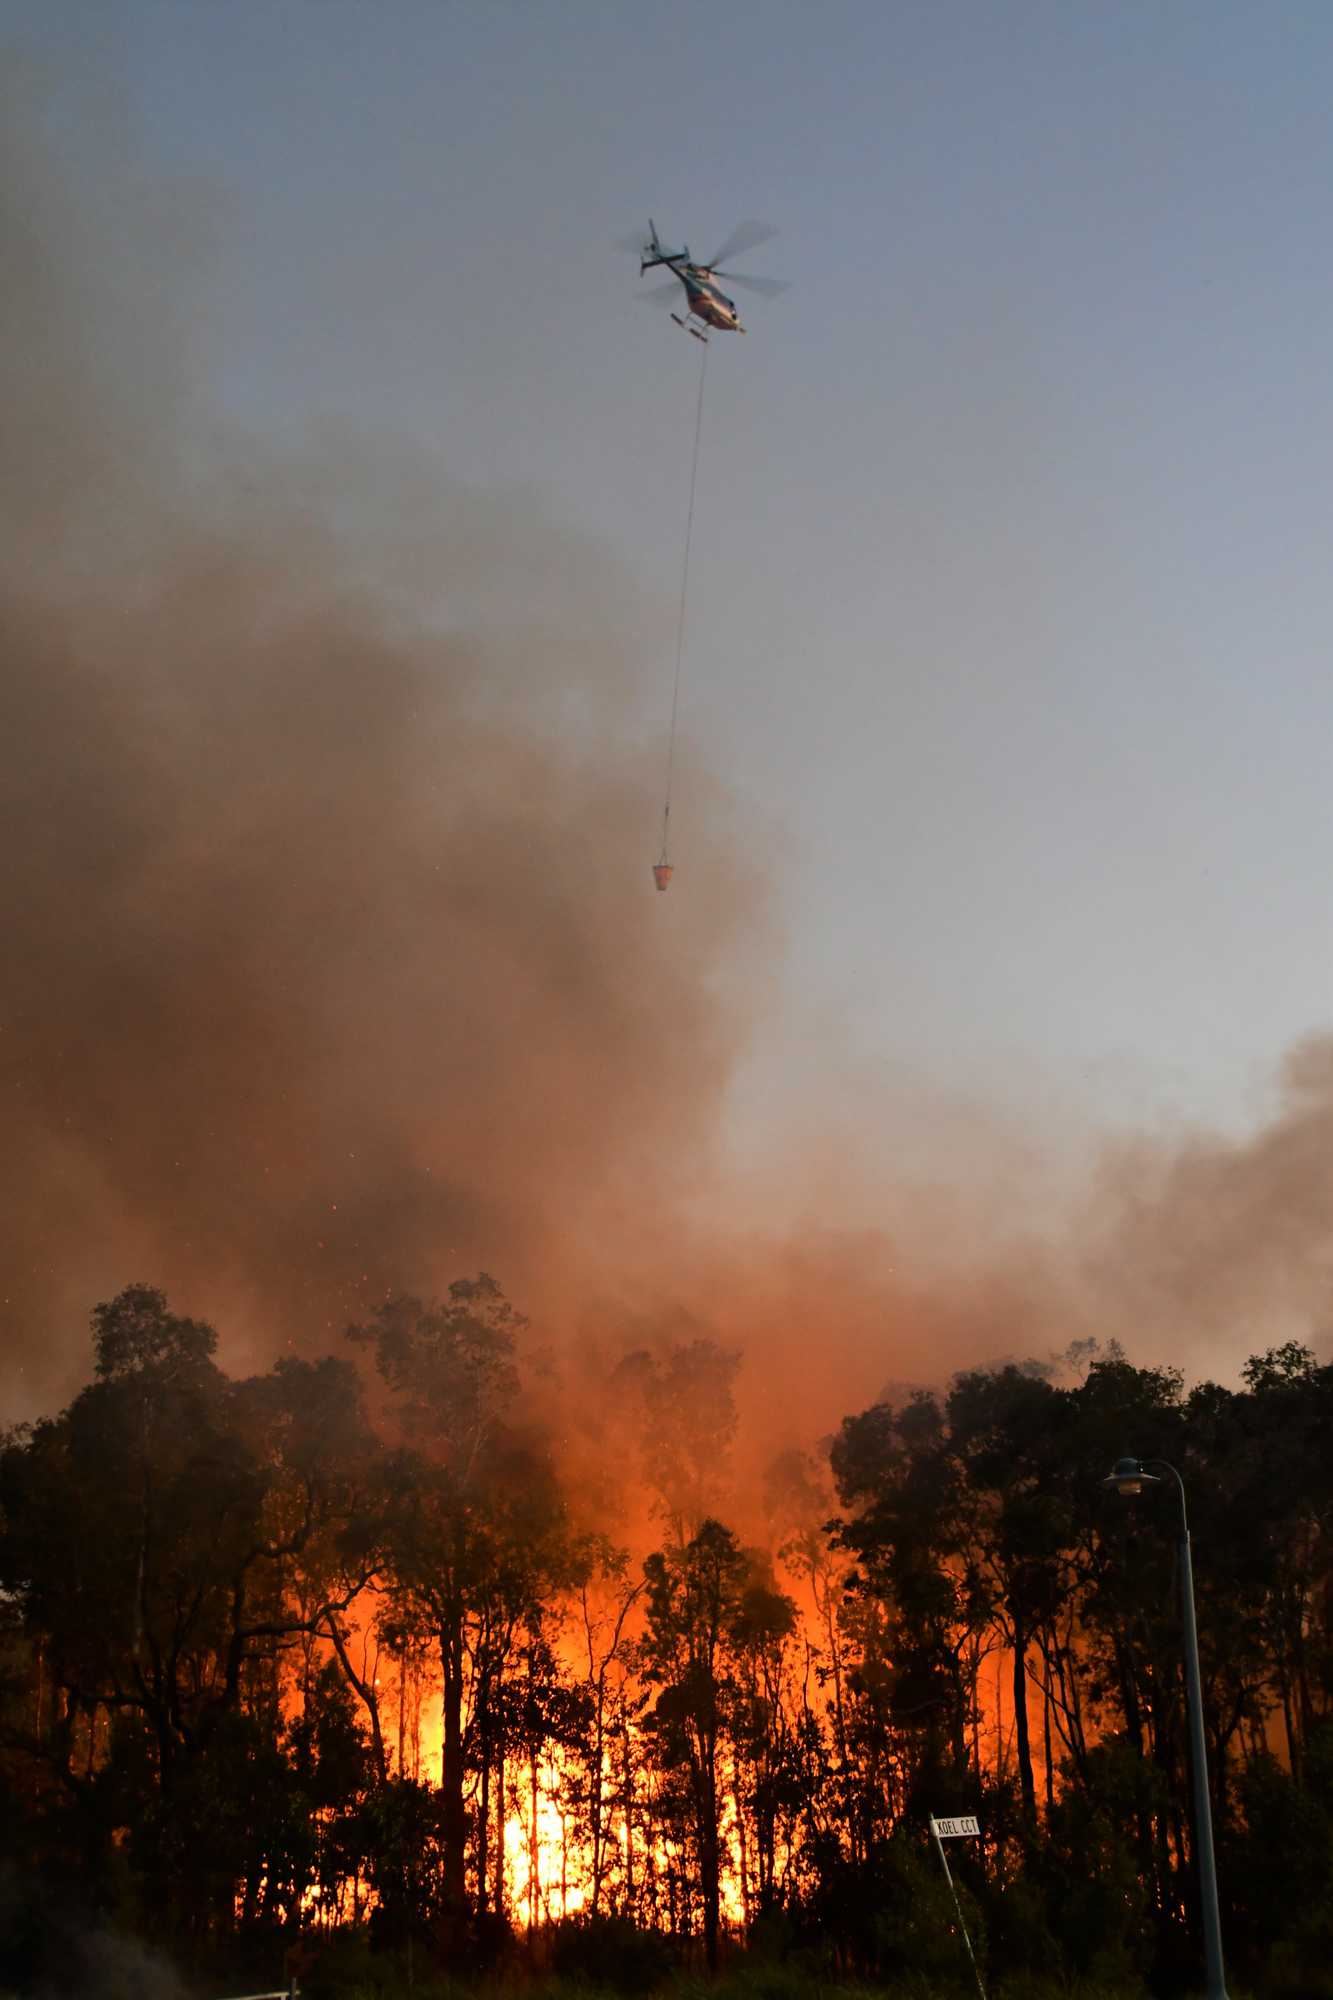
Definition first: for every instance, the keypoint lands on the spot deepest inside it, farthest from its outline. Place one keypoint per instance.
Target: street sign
(957, 1829)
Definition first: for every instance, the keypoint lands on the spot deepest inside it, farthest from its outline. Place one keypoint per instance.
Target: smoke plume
(332, 964)
(1206, 1249)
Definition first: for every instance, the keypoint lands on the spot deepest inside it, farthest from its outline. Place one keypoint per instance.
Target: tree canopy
(327, 1658)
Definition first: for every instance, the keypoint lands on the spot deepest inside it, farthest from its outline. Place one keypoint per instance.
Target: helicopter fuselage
(705, 300)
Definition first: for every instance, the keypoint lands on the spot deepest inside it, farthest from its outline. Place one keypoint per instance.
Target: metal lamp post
(1130, 1477)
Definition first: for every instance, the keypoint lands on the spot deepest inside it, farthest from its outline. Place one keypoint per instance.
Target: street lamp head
(1130, 1478)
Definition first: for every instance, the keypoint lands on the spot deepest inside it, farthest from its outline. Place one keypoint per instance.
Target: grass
(776, 1982)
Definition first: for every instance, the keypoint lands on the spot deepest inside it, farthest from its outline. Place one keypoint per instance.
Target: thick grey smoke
(1208, 1249)
(332, 959)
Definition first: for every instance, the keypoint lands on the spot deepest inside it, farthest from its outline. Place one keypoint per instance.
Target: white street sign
(954, 1829)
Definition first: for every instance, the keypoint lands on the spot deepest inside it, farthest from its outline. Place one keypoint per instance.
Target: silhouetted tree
(477, 1530)
(694, 1601)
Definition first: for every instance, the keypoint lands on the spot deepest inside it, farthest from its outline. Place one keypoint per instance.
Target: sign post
(941, 1830)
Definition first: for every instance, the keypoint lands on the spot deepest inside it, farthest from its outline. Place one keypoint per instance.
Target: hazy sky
(1011, 607)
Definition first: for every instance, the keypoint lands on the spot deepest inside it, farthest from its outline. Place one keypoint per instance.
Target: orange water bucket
(662, 873)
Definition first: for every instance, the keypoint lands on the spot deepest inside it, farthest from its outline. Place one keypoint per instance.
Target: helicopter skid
(698, 333)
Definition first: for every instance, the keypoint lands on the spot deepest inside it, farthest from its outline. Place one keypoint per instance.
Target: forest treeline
(331, 1667)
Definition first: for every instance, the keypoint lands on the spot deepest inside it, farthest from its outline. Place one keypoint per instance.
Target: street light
(1130, 1477)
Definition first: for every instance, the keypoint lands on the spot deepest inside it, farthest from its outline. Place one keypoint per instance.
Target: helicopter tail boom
(655, 252)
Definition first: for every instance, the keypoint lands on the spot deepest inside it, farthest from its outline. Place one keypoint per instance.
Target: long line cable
(684, 599)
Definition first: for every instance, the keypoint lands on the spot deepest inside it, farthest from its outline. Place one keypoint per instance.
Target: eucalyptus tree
(694, 1600)
(606, 1597)
(477, 1533)
(764, 1727)
(150, 1537)
(908, 1523)
(1008, 1432)
(1278, 1493)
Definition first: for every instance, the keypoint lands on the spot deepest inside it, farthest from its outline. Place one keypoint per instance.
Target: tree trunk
(1289, 1721)
(500, 1898)
(710, 1870)
(370, 1701)
(743, 1845)
(452, 1774)
(710, 1862)
(484, 1820)
(627, 1769)
(1022, 1740)
(534, 1846)
(596, 1781)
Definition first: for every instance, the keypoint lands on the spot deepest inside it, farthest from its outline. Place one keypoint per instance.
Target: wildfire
(550, 1871)
(544, 1876)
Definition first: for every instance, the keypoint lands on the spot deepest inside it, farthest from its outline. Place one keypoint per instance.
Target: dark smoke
(332, 959)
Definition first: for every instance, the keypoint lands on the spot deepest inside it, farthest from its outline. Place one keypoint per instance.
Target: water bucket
(662, 873)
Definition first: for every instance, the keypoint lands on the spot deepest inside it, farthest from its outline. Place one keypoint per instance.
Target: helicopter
(707, 305)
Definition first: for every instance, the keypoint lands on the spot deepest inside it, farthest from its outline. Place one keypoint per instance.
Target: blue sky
(1011, 607)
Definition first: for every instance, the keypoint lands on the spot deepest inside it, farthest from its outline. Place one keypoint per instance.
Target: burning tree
(479, 1541)
(221, 1596)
